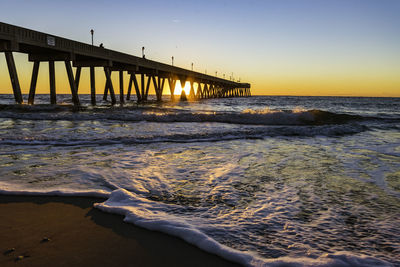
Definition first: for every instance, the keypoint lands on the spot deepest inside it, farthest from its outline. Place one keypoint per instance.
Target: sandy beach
(68, 231)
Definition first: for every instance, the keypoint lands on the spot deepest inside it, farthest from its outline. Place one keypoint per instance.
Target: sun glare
(178, 88)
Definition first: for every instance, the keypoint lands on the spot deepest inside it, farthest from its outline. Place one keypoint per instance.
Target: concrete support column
(213, 89)
(105, 91)
(32, 89)
(14, 77)
(191, 92)
(156, 87)
(106, 86)
(172, 83)
(199, 91)
(52, 76)
(92, 86)
(121, 87)
(137, 89)
(109, 86)
(161, 86)
(147, 87)
(143, 93)
(128, 94)
(207, 93)
(75, 98)
(77, 77)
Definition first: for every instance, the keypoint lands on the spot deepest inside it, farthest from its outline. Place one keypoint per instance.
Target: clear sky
(281, 47)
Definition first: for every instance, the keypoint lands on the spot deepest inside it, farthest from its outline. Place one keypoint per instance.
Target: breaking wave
(250, 133)
(129, 114)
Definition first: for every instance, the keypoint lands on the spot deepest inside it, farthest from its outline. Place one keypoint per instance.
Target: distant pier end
(50, 48)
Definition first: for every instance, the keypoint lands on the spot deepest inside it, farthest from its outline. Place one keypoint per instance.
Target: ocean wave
(150, 114)
(227, 135)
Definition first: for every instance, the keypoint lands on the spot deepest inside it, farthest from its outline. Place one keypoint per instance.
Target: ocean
(262, 180)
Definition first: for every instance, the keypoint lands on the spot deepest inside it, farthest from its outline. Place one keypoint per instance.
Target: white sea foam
(151, 215)
(7, 189)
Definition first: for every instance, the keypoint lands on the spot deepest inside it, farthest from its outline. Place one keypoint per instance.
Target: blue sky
(279, 46)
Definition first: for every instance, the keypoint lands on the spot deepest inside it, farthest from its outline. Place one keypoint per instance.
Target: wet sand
(68, 231)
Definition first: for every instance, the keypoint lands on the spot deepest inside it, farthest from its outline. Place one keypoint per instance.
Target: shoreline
(69, 231)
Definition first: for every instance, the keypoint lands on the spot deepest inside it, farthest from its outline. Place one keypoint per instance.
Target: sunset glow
(178, 88)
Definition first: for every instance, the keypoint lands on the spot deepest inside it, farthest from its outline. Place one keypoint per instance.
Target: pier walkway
(43, 47)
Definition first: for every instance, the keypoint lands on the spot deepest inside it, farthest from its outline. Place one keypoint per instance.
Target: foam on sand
(150, 215)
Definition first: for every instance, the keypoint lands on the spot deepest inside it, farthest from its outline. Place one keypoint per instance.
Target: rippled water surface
(252, 179)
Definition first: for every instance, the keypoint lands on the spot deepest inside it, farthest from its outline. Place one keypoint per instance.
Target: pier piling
(121, 87)
(75, 98)
(32, 89)
(14, 77)
(109, 86)
(52, 78)
(92, 86)
(147, 87)
(142, 78)
(137, 89)
(77, 77)
(128, 93)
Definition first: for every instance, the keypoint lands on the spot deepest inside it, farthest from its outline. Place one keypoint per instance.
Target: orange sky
(338, 48)
(381, 84)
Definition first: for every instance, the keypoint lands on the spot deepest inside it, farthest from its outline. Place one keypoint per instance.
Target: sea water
(263, 180)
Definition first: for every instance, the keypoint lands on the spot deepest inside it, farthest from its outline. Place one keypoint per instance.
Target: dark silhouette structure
(43, 47)
(91, 33)
(183, 96)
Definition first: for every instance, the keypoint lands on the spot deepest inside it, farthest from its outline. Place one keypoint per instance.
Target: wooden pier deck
(43, 47)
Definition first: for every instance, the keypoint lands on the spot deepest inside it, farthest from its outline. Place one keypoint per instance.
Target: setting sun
(186, 88)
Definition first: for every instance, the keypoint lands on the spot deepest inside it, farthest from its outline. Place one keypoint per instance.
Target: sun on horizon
(178, 88)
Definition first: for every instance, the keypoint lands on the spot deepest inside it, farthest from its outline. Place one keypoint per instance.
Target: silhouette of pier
(43, 47)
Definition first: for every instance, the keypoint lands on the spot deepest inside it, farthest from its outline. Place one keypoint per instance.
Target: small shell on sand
(45, 239)
(20, 257)
(8, 251)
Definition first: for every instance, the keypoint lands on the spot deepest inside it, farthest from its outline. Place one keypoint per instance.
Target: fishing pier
(43, 47)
